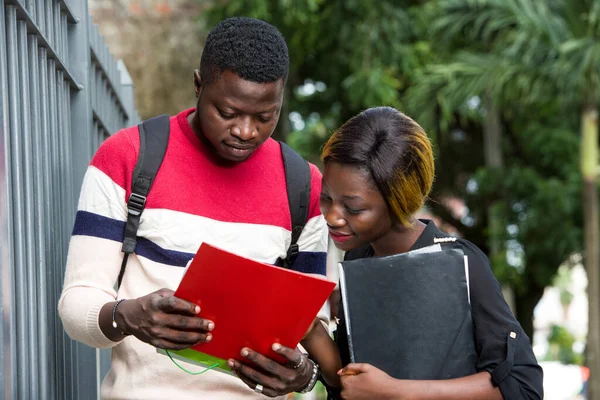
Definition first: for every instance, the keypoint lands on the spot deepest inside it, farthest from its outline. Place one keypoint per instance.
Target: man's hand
(275, 378)
(364, 381)
(164, 321)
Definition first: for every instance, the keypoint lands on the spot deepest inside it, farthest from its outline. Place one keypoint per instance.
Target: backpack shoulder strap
(297, 179)
(154, 137)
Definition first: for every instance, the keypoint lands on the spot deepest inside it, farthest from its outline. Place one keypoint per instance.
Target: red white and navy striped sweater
(241, 208)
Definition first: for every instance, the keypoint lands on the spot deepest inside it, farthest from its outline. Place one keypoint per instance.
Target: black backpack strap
(297, 179)
(154, 137)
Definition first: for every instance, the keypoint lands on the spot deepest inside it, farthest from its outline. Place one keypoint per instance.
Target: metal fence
(61, 94)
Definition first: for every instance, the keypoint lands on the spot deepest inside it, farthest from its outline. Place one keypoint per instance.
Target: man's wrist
(119, 317)
(105, 321)
(314, 376)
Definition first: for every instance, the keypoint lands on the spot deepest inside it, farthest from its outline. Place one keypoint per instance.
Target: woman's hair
(394, 150)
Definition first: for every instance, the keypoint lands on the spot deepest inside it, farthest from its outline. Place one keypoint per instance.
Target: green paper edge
(198, 358)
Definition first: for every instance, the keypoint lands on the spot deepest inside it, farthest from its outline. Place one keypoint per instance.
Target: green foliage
(542, 189)
(308, 141)
(556, 39)
(562, 282)
(560, 347)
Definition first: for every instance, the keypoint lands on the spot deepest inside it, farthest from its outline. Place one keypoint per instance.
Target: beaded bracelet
(313, 378)
(114, 322)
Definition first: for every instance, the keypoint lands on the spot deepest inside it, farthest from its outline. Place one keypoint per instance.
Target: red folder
(252, 304)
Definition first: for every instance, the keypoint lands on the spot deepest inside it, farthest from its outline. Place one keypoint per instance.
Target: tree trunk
(524, 305)
(492, 134)
(589, 170)
(492, 144)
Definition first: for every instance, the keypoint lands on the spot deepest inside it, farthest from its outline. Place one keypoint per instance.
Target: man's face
(236, 116)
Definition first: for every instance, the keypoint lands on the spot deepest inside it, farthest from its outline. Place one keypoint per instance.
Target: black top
(503, 348)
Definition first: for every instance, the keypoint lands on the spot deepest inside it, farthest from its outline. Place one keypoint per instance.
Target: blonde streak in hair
(426, 173)
(409, 191)
(425, 153)
(405, 197)
(396, 201)
(424, 150)
(329, 146)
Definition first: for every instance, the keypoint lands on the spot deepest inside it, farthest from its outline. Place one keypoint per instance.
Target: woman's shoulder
(473, 252)
(480, 267)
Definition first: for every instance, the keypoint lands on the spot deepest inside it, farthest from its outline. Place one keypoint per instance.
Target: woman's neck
(399, 240)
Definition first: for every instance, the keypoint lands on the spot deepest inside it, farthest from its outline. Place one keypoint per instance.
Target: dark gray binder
(410, 314)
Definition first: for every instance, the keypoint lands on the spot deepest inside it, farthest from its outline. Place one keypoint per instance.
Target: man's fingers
(294, 356)
(164, 292)
(250, 373)
(279, 379)
(184, 323)
(267, 391)
(168, 345)
(252, 377)
(263, 362)
(175, 305)
(183, 338)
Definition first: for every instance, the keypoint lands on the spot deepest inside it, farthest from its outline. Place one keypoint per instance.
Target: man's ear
(197, 82)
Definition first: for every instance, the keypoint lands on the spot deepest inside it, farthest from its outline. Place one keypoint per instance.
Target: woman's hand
(163, 320)
(364, 381)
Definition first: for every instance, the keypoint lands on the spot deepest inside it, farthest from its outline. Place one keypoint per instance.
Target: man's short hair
(252, 49)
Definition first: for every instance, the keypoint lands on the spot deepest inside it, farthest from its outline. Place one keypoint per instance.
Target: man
(221, 182)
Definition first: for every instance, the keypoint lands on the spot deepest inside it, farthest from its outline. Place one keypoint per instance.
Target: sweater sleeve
(94, 256)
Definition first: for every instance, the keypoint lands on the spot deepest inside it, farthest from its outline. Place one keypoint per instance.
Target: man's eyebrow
(223, 104)
(269, 110)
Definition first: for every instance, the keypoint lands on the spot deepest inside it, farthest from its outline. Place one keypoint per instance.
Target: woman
(378, 171)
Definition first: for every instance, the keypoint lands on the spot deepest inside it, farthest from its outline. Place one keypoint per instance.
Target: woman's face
(353, 207)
